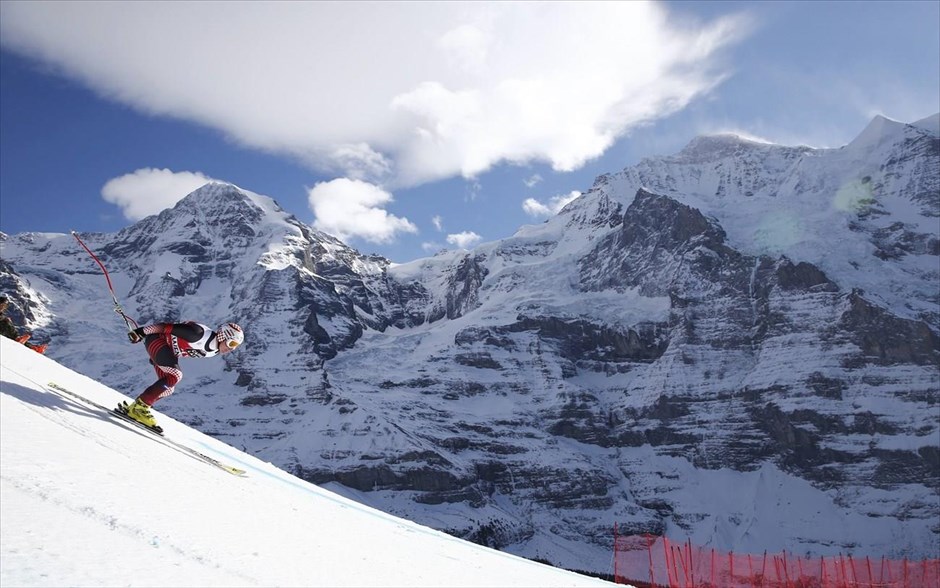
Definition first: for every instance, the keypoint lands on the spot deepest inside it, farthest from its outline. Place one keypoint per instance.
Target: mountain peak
(212, 192)
(880, 129)
(217, 211)
(219, 204)
(717, 146)
(224, 203)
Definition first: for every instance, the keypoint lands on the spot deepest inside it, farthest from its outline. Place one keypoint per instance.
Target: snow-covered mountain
(737, 343)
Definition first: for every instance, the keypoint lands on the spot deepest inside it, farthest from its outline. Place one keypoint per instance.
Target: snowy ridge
(798, 201)
(931, 123)
(82, 492)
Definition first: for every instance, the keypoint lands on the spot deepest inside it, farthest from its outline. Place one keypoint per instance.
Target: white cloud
(533, 207)
(431, 246)
(438, 222)
(348, 208)
(148, 191)
(399, 94)
(532, 181)
(464, 240)
(360, 162)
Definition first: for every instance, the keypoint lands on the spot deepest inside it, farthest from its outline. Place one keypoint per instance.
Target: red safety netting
(646, 560)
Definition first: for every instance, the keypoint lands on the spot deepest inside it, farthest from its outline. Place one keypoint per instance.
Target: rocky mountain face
(736, 344)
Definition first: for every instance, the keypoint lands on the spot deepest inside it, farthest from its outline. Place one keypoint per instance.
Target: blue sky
(404, 128)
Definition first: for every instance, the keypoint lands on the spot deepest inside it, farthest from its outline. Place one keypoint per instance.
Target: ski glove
(136, 336)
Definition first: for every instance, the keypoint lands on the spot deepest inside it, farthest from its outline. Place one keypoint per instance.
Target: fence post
(682, 562)
(854, 572)
(711, 573)
(763, 571)
(649, 552)
(731, 565)
(670, 559)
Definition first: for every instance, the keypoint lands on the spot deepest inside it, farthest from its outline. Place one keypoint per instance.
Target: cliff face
(738, 343)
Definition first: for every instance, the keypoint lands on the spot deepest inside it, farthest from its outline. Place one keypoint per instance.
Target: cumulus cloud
(464, 240)
(438, 222)
(533, 207)
(147, 191)
(349, 208)
(399, 94)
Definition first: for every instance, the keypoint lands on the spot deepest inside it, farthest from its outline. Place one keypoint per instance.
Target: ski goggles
(232, 343)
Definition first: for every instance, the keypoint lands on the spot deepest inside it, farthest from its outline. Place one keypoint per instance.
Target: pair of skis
(156, 432)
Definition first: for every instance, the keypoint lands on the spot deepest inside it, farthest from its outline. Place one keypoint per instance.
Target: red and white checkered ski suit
(166, 343)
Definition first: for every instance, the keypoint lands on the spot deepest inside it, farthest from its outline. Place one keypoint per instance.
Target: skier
(8, 330)
(166, 343)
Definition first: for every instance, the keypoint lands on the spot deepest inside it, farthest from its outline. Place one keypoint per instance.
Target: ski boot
(140, 412)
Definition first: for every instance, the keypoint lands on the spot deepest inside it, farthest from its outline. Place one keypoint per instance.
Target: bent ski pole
(117, 307)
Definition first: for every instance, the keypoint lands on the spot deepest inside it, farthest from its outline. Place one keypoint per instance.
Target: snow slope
(87, 500)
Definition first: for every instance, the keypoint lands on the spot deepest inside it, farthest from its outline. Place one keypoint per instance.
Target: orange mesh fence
(646, 560)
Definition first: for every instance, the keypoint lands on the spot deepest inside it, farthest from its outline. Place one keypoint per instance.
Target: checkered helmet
(229, 335)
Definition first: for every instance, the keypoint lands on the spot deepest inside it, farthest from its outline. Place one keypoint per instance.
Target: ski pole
(117, 307)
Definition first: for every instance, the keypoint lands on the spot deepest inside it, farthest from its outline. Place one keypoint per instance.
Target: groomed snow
(90, 501)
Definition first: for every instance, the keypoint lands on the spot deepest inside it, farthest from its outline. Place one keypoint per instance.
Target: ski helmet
(229, 336)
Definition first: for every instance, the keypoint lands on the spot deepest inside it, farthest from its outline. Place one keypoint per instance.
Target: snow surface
(91, 501)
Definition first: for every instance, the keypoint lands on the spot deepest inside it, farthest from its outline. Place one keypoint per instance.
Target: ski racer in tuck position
(166, 343)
